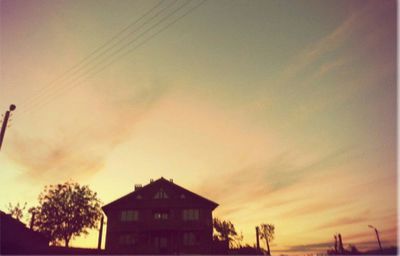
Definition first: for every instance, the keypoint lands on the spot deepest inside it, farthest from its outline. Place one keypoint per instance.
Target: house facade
(160, 218)
(16, 238)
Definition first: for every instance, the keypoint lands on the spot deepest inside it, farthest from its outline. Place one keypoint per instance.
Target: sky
(282, 112)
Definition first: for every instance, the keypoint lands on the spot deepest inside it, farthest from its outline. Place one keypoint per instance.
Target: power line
(130, 42)
(51, 94)
(85, 130)
(93, 53)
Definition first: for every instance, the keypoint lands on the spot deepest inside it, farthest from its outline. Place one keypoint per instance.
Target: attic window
(139, 197)
(161, 194)
(182, 196)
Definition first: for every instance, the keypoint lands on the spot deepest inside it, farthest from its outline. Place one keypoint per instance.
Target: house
(159, 218)
(16, 238)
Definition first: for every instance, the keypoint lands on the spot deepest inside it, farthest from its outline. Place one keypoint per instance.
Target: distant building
(16, 238)
(160, 218)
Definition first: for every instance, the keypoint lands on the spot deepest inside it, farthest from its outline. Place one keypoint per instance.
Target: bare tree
(16, 211)
(267, 232)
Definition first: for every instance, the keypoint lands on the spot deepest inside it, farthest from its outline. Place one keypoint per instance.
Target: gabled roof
(155, 185)
(12, 226)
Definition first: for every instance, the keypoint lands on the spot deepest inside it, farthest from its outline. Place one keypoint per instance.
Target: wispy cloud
(315, 207)
(360, 21)
(343, 221)
(324, 246)
(253, 183)
(306, 84)
(80, 150)
(389, 232)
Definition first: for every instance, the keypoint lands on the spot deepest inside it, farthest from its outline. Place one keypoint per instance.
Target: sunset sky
(283, 112)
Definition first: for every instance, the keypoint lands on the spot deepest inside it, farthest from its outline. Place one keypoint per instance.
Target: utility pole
(341, 248)
(5, 121)
(100, 233)
(377, 236)
(336, 244)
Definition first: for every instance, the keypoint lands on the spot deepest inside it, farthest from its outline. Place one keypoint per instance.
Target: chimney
(138, 186)
(171, 180)
(151, 180)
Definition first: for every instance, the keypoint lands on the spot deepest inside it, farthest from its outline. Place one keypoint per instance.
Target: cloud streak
(79, 150)
(344, 221)
(252, 183)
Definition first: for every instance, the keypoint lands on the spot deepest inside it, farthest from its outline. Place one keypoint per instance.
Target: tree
(16, 211)
(237, 240)
(66, 210)
(225, 230)
(267, 232)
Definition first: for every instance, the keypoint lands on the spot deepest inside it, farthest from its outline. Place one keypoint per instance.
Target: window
(160, 242)
(189, 238)
(190, 214)
(182, 196)
(160, 215)
(127, 240)
(129, 215)
(161, 194)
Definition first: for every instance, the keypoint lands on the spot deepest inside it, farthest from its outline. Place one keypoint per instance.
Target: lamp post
(5, 121)
(377, 236)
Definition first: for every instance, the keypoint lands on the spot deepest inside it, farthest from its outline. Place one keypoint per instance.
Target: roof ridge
(161, 179)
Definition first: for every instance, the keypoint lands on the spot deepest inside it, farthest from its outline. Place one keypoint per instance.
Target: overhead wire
(101, 49)
(88, 128)
(120, 51)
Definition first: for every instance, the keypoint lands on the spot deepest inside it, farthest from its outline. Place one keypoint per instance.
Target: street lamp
(5, 121)
(377, 235)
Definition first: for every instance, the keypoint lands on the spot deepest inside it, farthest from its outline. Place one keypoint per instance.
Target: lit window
(190, 214)
(130, 215)
(161, 194)
(182, 196)
(189, 238)
(160, 216)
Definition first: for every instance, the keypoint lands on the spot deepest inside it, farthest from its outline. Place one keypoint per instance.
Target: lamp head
(12, 107)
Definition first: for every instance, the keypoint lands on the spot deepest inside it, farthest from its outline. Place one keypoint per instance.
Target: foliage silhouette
(16, 211)
(66, 210)
(226, 232)
(267, 232)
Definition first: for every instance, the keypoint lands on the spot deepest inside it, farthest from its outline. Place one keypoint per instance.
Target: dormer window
(161, 194)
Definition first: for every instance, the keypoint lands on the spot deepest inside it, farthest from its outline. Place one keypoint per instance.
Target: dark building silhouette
(160, 218)
(16, 238)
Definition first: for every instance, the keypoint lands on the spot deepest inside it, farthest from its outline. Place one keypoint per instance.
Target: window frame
(129, 216)
(163, 215)
(161, 194)
(189, 239)
(191, 214)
